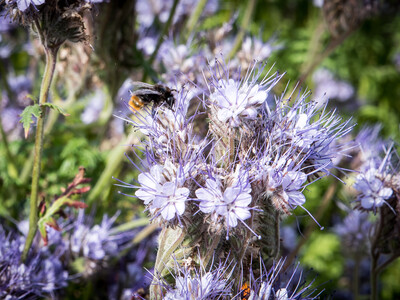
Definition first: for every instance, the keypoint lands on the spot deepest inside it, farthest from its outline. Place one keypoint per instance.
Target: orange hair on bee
(245, 291)
(135, 103)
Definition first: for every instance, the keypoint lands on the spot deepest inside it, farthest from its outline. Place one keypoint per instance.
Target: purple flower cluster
(42, 274)
(329, 87)
(377, 181)
(228, 205)
(254, 152)
(199, 284)
(217, 283)
(97, 242)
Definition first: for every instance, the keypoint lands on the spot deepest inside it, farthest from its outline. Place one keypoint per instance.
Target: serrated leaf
(57, 108)
(26, 117)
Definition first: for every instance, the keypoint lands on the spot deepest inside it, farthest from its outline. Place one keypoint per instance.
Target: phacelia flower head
(198, 283)
(254, 152)
(235, 173)
(235, 100)
(378, 165)
(371, 185)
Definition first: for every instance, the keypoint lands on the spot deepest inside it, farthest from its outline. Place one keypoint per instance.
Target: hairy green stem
(49, 125)
(26, 170)
(245, 24)
(210, 251)
(51, 58)
(169, 241)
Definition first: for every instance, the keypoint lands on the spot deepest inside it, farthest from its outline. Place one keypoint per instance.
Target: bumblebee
(245, 291)
(146, 94)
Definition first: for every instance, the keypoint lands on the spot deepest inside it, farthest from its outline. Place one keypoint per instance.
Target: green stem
(211, 250)
(374, 276)
(169, 241)
(130, 225)
(51, 59)
(375, 257)
(161, 37)
(194, 18)
(48, 127)
(277, 249)
(26, 170)
(114, 161)
(246, 21)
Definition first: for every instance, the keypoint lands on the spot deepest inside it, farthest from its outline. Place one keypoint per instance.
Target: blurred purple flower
(10, 121)
(326, 86)
(354, 232)
(377, 180)
(94, 108)
(42, 274)
(97, 242)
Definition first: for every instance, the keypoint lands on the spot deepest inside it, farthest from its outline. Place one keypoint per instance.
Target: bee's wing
(145, 92)
(141, 85)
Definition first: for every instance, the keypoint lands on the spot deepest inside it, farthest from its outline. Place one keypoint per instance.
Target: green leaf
(26, 117)
(29, 96)
(322, 253)
(57, 108)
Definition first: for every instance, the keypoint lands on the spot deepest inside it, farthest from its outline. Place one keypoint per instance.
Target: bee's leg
(154, 111)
